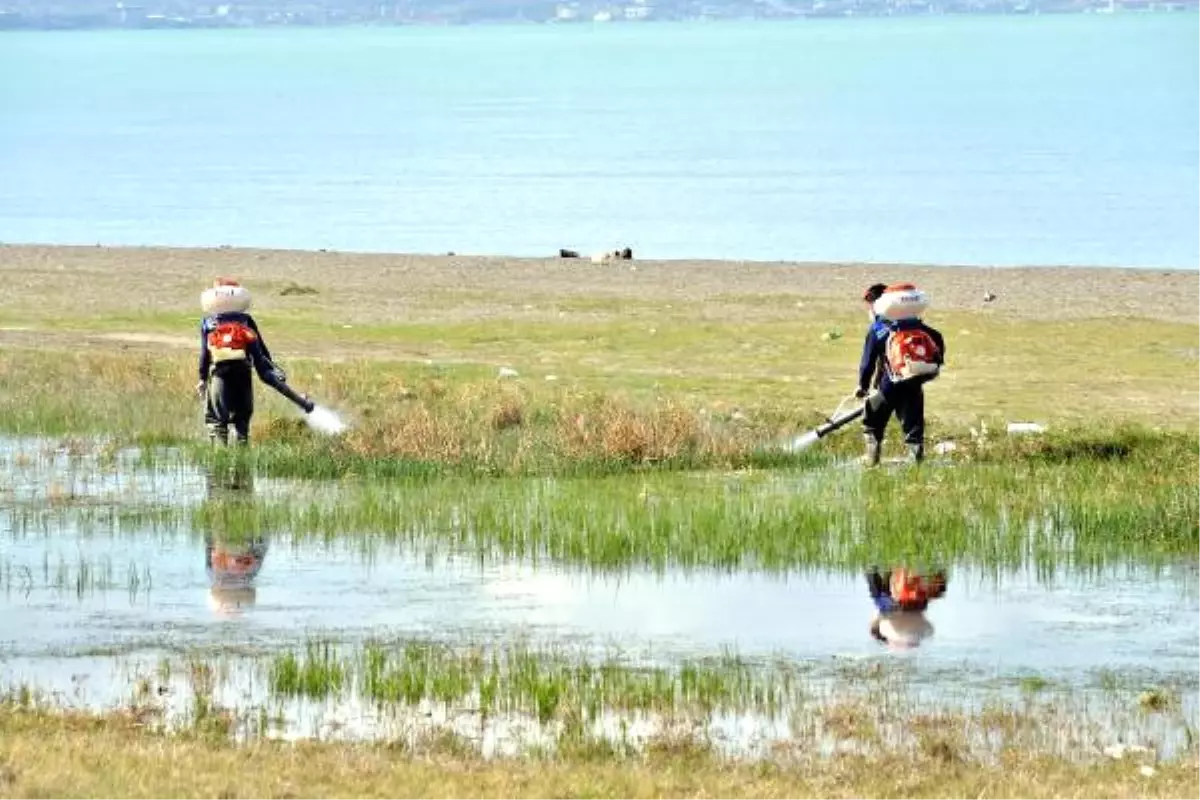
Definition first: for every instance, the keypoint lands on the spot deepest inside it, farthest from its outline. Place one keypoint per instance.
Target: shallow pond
(77, 597)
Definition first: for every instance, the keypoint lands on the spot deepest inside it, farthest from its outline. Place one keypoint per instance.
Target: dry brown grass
(611, 429)
(491, 426)
(508, 413)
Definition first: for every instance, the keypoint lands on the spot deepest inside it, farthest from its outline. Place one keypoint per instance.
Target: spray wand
(320, 418)
(838, 419)
(301, 400)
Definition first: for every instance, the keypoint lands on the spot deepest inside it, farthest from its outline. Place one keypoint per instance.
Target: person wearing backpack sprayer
(231, 347)
(911, 354)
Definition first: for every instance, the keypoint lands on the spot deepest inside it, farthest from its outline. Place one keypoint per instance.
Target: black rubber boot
(874, 451)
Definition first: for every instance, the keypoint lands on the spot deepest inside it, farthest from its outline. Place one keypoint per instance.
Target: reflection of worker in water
(231, 348)
(901, 599)
(232, 562)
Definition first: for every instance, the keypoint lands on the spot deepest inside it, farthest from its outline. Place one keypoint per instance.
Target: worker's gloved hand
(201, 388)
(860, 393)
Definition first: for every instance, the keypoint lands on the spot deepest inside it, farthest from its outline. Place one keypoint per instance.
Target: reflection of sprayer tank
(231, 561)
(232, 568)
(901, 598)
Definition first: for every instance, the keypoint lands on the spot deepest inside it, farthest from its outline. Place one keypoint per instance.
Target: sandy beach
(371, 287)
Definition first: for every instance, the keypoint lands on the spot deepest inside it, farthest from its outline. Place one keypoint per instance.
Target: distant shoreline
(267, 18)
(585, 255)
(1047, 293)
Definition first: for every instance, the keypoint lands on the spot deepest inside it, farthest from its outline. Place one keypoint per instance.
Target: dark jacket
(872, 367)
(259, 353)
(869, 374)
(879, 586)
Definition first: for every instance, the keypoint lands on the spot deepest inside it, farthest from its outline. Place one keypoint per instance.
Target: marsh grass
(1049, 516)
(409, 415)
(617, 705)
(506, 699)
(46, 753)
(1005, 505)
(545, 684)
(617, 439)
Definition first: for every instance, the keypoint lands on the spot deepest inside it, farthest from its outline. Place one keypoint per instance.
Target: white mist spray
(804, 442)
(325, 420)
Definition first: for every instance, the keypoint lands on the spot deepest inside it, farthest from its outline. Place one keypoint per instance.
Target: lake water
(1039, 140)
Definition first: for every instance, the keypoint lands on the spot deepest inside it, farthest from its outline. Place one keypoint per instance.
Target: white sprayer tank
(901, 302)
(225, 298)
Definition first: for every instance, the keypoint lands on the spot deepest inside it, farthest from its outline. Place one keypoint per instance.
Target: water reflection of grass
(1077, 504)
(82, 576)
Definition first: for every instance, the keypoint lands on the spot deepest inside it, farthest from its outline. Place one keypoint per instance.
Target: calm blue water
(1047, 140)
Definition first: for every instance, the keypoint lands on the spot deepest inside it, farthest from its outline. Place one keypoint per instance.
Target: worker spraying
(900, 355)
(231, 347)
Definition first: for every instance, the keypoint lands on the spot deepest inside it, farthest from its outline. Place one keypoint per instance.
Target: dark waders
(229, 402)
(907, 402)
